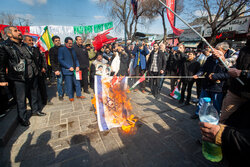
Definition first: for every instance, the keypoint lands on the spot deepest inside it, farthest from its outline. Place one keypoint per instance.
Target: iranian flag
(176, 94)
(139, 81)
(46, 39)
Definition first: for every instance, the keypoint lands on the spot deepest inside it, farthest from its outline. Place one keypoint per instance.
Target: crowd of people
(23, 74)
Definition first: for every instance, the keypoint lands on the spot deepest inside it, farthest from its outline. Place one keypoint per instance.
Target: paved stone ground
(69, 136)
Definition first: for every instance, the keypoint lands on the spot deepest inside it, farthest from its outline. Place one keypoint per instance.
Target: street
(69, 136)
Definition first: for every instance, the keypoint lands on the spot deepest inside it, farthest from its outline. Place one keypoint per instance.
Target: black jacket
(189, 68)
(124, 64)
(236, 137)
(53, 53)
(242, 63)
(14, 60)
(161, 61)
(39, 58)
(174, 63)
(82, 56)
(212, 65)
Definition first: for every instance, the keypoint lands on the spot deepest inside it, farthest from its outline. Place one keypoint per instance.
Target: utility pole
(174, 20)
(125, 33)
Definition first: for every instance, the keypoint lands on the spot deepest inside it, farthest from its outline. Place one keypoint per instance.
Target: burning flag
(112, 105)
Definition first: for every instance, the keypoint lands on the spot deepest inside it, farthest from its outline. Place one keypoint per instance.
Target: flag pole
(41, 34)
(242, 83)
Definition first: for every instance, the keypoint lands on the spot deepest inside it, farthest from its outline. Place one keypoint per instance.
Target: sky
(70, 13)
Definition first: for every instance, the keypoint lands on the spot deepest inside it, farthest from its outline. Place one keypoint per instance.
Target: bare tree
(158, 9)
(221, 12)
(122, 12)
(12, 19)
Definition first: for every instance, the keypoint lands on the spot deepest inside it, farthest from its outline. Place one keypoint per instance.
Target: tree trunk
(212, 40)
(164, 26)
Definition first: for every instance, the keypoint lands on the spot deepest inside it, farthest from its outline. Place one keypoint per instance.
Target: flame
(118, 105)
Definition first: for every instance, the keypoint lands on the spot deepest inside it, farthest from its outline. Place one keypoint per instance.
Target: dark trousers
(84, 81)
(29, 89)
(3, 99)
(188, 85)
(154, 83)
(198, 88)
(42, 89)
(139, 71)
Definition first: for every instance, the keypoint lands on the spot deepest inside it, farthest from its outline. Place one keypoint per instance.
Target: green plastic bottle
(208, 113)
(211, 152)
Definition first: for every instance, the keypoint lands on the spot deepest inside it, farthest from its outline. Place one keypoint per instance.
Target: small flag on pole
(176, 94)
(46, 39)
(139, 81)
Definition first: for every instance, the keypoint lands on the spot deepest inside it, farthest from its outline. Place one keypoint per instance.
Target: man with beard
(69, 63)
(41, 70)
(22, 71)
(156, 66)
(53, 52)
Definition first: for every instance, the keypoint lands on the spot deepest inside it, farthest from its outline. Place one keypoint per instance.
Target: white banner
(240, 26)
(61, 31)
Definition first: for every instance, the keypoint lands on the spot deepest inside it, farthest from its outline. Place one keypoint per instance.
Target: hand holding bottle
(209, 131)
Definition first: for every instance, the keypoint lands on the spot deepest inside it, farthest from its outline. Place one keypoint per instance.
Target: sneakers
(60, 98)
(72, 99)
(143, 91)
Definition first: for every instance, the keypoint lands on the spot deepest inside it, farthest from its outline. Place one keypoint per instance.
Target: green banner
(88, 29)
(108, 25)
(98, 28)
(78, 29)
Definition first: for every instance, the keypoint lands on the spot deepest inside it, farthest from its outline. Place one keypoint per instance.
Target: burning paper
(113, 107)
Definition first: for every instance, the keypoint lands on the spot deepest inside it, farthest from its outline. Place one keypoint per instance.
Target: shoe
(136, 90)
(24, 122)
(60, 98)
(88, 92)
(150, 93)
(49, 103)
(157, 97)
(143, 91)
(181, 101)
(72, 99)
(195, 116)
(39, 113)
(195, 100)
(81, 97)
(187, 103)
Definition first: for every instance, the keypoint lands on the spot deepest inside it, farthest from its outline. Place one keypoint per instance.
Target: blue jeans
(60, 85)
(161, 81)
(70, 80)
(216, 99)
